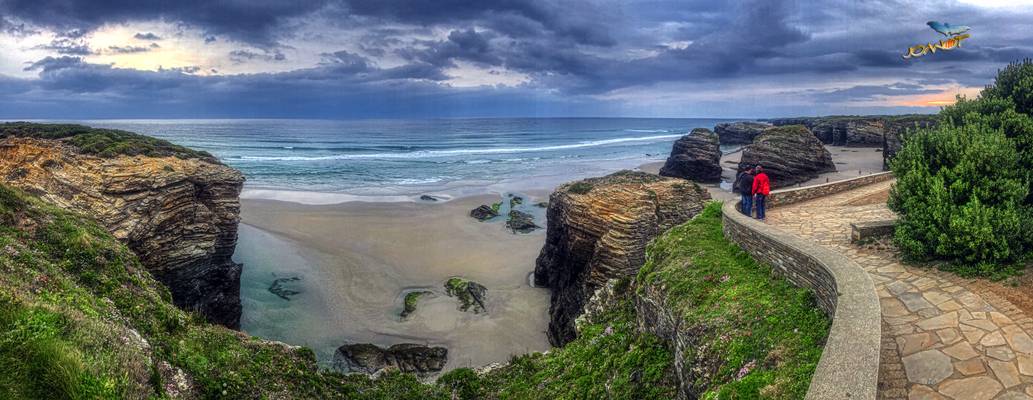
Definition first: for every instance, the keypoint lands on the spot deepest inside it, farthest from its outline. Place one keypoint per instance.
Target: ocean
(329, 161)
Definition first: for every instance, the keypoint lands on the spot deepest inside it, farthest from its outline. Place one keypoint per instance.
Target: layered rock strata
(179, 215)
(789, 155)
(696, 156)
(742, 132)
(598, 230)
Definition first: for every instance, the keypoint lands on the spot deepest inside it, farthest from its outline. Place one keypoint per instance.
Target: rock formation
(855, 130)
(179, 215)
(789, 155)
(484, 212)
(471, 294)
(898, 127)
(696, 156)
(406, 357)
(598, 229)
(742, 132)
(521, 222)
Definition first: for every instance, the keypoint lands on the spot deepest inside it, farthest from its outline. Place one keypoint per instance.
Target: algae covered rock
(696, 156)
(471, 295)
(521, 222)
(789, 155)
(598, 229)
(410, 301)
(484, 212)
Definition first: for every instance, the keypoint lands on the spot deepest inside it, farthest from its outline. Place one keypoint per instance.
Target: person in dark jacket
(761, 190)
(744, 186)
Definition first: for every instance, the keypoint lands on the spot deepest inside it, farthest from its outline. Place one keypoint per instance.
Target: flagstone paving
(940, 339)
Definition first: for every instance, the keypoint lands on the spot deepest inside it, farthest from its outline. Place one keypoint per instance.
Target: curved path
(940, 340)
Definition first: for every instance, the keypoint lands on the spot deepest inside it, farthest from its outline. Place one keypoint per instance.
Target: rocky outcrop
(179, 215)
(742, 132)
(521, 222)
(789, 155)
(471, 295)
(696, 156)
(598, 229)
(484, 212)
(855, 130)
(898, 127)
(406, 357)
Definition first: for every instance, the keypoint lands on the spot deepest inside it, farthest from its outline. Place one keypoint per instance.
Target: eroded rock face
(406, 357)
(742, 132)
(855, 130)
(789, 155)
(178, 215)
(896, 128)
(598, 229)
(696, 156)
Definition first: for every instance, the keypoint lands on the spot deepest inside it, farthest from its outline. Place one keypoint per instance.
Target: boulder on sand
(406, 357)
(696, 156)
(521, 222)
(483, 213)
(789, 154)
(742, 132)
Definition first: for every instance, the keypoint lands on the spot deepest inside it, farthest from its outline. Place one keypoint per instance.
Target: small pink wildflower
(725, 278)
(745, 369)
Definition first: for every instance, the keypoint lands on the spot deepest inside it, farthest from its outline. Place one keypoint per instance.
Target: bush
(960, 195)
(1014, 82)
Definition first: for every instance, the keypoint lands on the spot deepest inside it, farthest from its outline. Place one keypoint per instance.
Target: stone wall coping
(849, 364)
(786, 196)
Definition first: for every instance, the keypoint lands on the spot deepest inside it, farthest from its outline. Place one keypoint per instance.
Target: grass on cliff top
(105, 143)
(76, 307)
(759, 336)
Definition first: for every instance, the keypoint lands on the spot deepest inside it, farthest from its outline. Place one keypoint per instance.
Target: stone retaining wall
(849, 365)
(796, 195)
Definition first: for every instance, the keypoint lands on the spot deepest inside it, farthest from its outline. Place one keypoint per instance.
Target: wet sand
(356, 260)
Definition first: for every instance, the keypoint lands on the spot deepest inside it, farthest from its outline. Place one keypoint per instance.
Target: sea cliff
(176, 208)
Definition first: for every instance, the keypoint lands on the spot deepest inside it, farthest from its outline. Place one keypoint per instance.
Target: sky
(345, 59)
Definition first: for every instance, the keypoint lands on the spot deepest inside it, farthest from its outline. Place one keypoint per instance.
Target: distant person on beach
(761, 189)
(744, 185)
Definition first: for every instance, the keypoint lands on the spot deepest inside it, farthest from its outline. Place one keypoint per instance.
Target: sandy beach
(356, 260)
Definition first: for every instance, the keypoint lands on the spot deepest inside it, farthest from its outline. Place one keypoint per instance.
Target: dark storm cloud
(240, 56)
(250, 21)
(131, 49)
(68, 46)
(578, 50)
(146, 36)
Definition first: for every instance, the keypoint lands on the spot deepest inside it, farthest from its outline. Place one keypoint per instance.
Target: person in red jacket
(761, 190)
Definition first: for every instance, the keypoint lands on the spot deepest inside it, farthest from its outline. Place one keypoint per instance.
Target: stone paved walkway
(940, 340)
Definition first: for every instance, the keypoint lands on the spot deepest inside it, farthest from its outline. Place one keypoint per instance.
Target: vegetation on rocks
(755, 335)
(963, 191)
(411, 299)
(105, 143)
(80, 318)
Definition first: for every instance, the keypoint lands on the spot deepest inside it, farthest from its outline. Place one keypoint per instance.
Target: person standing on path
(761, 189)
(744, 185)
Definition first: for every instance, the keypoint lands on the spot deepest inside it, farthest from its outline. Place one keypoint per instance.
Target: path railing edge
(849, 364)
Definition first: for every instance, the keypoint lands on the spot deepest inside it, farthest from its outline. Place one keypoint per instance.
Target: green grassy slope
(81, 319)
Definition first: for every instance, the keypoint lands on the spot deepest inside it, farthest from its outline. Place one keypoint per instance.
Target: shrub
(581, 187)
(1014, 82)
(960, 193)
